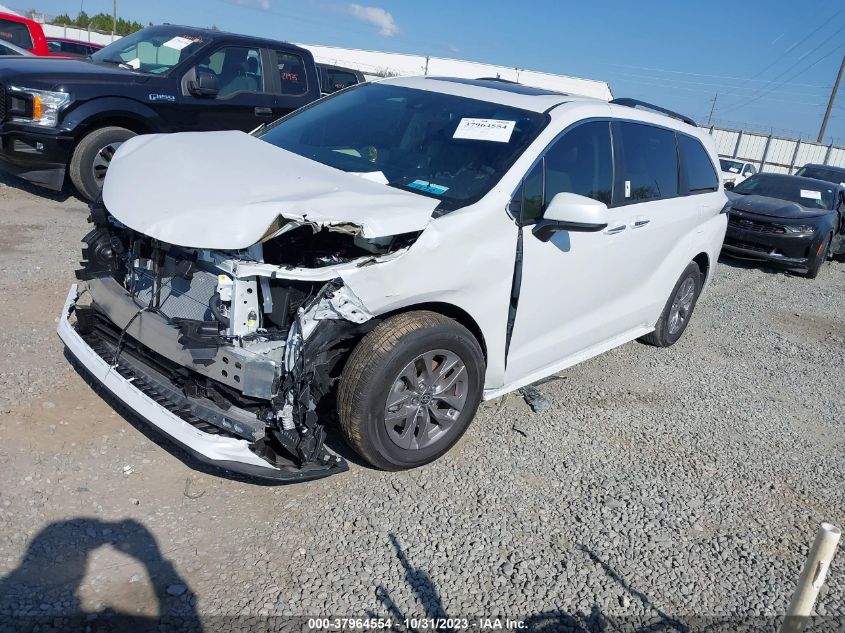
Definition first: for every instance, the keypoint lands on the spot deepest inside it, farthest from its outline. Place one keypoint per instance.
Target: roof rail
(633, 103)
(504, 81)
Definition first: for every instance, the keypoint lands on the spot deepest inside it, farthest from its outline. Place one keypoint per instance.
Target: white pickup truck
(735, 171)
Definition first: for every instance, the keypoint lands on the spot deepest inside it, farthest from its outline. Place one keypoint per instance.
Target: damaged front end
(220, 349)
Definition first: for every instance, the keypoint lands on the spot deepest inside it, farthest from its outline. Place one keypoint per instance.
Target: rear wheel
(410, 389)
(92, 157)
(678, 310)
(820, 259)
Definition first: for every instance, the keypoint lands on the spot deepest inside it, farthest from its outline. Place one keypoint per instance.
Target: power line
(691, 74)
(804, 39)
(821, 93)
(775, 87)
(708, 92)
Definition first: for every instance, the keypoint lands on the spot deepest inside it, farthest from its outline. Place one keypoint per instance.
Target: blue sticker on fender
(429, 187)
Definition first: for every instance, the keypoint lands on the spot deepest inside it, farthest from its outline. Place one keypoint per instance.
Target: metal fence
(775, 153)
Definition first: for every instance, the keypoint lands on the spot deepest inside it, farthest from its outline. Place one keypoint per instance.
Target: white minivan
(386, 258)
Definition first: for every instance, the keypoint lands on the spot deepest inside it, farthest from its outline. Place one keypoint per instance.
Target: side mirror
(730, 184)
(206, 85)
(571, 212)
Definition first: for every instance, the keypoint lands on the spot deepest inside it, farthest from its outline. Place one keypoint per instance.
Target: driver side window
(579, 162)
(237, 68)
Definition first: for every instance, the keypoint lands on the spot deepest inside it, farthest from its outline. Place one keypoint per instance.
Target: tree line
(99, 22)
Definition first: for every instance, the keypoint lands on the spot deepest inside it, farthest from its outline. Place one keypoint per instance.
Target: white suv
(391, 255)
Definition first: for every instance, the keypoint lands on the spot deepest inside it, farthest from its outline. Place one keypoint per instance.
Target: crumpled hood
(773, 207)
(226, 190)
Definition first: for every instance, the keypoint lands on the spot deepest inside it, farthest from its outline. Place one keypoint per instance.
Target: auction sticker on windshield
(811, 195)
(496, 130)
(178, 43)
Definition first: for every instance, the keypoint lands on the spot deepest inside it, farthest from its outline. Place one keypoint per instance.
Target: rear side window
(696, 167)
(647, 163)
(339, 79)
(16, 33)
(72, 48)
(292, 77)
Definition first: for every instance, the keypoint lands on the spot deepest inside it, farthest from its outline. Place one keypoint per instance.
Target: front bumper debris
(213, 435)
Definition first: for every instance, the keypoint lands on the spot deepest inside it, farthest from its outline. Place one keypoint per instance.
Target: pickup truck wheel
(92, 156)
(678, 310)
(410, 389)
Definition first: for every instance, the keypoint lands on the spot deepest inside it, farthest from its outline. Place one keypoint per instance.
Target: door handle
(615, 229)
(640, 222)
(263, 111)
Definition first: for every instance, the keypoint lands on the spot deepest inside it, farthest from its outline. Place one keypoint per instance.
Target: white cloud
(254, 4)
(377, 16)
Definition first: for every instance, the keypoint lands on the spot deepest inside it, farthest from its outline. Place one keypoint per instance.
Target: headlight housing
(41, 107)
(800, 230)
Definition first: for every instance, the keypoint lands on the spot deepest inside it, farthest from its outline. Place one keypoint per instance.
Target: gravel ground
(659, 486)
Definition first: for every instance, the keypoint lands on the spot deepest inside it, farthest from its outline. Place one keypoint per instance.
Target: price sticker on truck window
(497, 130)
(178, 43)
(811, 195)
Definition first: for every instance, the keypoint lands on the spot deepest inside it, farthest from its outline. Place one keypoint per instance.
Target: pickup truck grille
(2, 103)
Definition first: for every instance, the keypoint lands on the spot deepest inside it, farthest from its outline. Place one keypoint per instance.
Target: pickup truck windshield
(154, 50)
(447, 147)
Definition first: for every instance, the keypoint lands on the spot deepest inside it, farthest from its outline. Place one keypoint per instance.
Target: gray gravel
(661, 484)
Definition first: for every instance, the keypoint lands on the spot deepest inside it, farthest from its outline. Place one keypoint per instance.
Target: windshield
(813, 195)
(732, 166)
(447, 147)
(155, 49)
(823, 173)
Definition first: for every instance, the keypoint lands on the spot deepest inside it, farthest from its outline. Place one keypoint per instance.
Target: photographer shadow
(51, 572)
(596, 621)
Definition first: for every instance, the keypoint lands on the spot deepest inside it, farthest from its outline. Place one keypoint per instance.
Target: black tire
(821, 258)
(373, 371)
(87, 151)
(663, 335)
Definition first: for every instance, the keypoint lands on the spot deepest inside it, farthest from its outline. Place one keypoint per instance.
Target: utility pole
(113, 19)
(713, 107)
(832, 99)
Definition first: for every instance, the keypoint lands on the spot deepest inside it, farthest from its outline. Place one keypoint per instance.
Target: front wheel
(92, 157)
(410, 389)
(820, 259)
(678, 310)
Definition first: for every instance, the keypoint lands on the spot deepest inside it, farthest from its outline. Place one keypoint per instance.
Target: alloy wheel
(426, 399)
(681, 308)
(102, 160)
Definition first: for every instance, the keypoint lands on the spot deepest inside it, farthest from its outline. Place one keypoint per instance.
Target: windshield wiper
(116, 62)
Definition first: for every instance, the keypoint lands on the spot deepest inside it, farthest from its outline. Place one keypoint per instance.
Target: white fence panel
(837, 156)
(810, 153)
(775, 169)
(53, 30)
(752, 146)
(781, 151)
(774, 153)
(725, 141)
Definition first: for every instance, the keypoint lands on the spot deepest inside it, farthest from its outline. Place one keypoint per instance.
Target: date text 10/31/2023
(419, 624)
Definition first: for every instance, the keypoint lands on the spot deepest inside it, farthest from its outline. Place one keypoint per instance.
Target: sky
(772, 63)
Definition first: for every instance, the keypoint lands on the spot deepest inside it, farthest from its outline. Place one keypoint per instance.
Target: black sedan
(794, 221)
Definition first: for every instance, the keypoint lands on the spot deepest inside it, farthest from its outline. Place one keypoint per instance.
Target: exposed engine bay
(222, 339)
